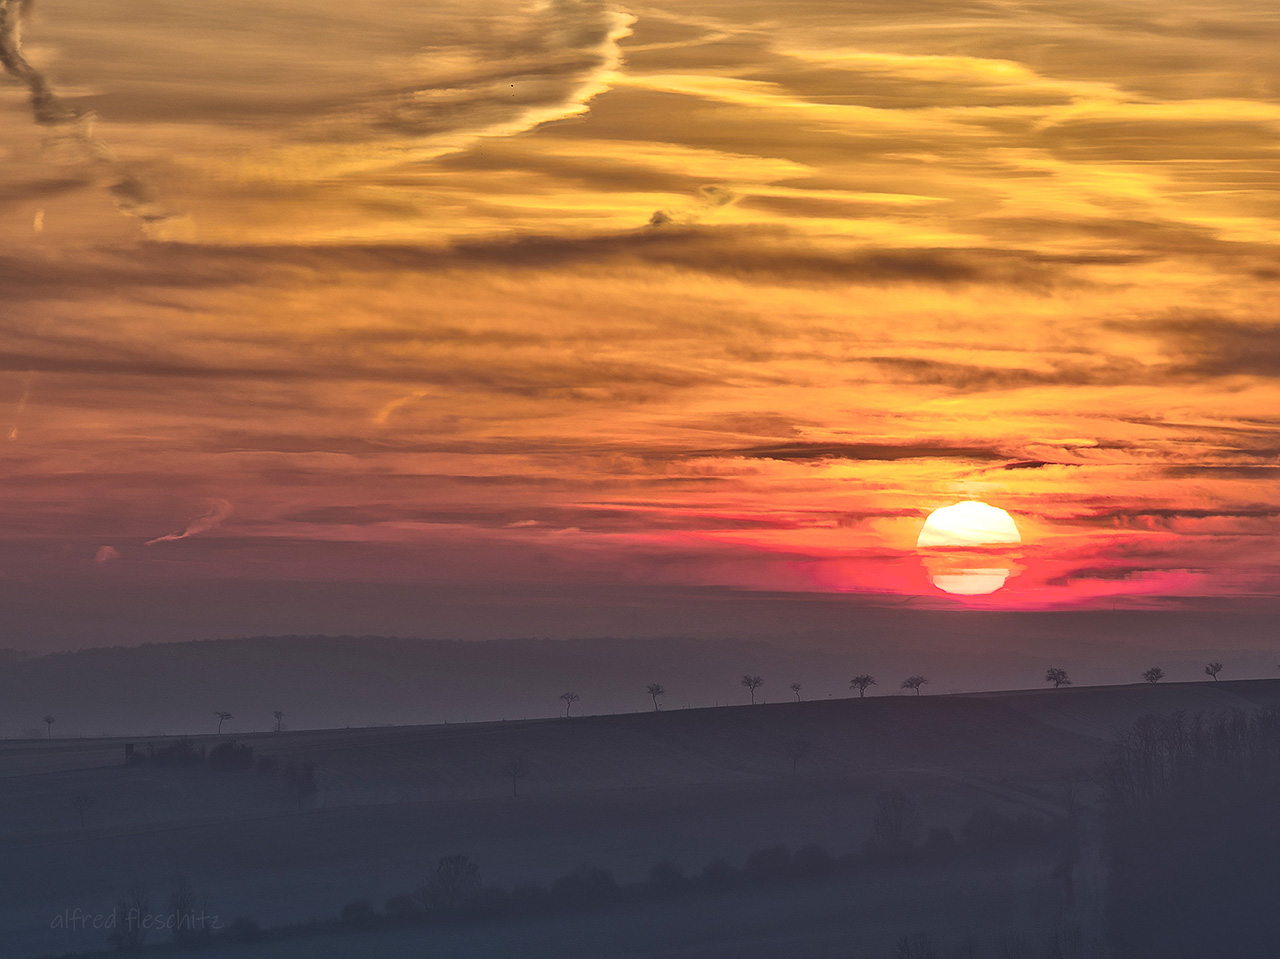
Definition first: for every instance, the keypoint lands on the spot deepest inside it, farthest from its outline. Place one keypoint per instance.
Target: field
(78, 826)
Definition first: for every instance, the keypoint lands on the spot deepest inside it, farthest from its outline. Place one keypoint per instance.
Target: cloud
(132, 196)
(882, 452)
(106, 554)
(218, 511)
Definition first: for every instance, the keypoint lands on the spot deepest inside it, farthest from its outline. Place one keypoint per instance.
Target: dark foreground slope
(77, 827)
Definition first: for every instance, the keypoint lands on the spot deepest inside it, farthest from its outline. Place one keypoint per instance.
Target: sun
(968, 524)
(962, 548)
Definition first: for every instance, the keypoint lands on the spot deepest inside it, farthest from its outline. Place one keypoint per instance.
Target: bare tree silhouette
(1212, 670)
(1057, 676)
(860, 683)
(655, 690)
(796, 750)
(1153, 675)
(223, 716)
(48, 722)
(914, 682)
(752, 683)
(569, 700)
(795, 688)
(896, 823)
(516, 769)
(80, 802)
(131, 931)
(455, 883)
(279, 714)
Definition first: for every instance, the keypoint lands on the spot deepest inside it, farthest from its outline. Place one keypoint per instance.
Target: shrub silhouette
(1212, 670)
(941, 840)
(915, 947)
(720, 875)
(987, 828)
(243, 929)
(402, 906)
(359, 913)
(812, 861)
(530, 899)
(585, 888)
(229, 756)
(666, 879)
(183, 752)
(1153, 675)
(771, 863)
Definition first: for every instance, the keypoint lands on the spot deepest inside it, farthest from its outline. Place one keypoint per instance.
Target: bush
(992, 830)
(359, 913)
(720, 875)
(769, 864)
(403, 906)
(940, 840)
(585, 888)
(812, 861)
(183, 752)
(242, 929)
(230, 756)
(530, 899)
(666, 879)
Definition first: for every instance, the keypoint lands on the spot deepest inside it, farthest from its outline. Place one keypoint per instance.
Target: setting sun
(967, 524)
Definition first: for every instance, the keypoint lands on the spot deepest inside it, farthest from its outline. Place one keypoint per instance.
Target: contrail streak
(217, 512)
(132, 197)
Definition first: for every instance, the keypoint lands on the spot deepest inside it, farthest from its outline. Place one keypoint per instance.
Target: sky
(552, 299)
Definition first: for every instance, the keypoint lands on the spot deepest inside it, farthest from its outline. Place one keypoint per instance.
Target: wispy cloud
(218, 511)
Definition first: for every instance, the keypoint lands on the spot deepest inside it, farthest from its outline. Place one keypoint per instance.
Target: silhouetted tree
(860, 683)
(569, 700)
(302, 782)
(223, 716)
(752, 683)
(48, 722)
(182, 909)
(915, 947)
(359, 912)
(655, 690)
(279, 714)
(914, 682)
(796, 750)
(1212, 670)
(795, 688)
(453, 885)
(666, 879)
(896, 823)
(1153, 675)
(80, 802)
(132, 907)
(1057, 676)
(516, 769)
